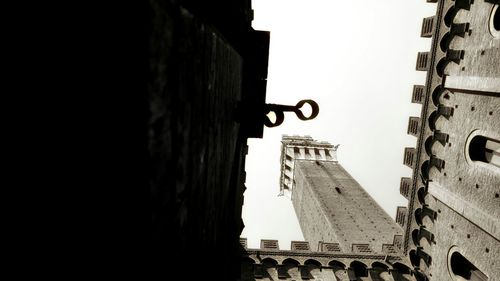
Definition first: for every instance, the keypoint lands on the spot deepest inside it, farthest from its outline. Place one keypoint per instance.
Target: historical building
(451, 224)
(204, 96)
(197, 83)
(452, 229)
(348, 236)
(206, 85)
(330, 205)
(329, 263)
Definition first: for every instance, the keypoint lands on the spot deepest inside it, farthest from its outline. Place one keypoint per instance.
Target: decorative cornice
(423, 117)
(320, 254)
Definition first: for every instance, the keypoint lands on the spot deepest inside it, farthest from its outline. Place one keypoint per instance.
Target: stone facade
(349, 237)
(453, 228)
(269, 263)
(201, 76)
(451, 224)
(206, 64)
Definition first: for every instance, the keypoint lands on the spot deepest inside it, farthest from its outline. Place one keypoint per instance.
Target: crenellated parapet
(409, 157)
(418, 94)
(361, 248)
(300, 264)
(268, 244)
(300, 246)
(427, 27)
(328, 247)
(452, 194)
(398, 241)
(413, 126)
(302, 148)
(422, 61)
(401, 213)
(405, 187)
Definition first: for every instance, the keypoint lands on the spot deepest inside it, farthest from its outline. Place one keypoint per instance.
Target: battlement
(361, 248)
(297, 138)
(304, 141)
(398, 241)
(409, 157)
(327, 264)
(267, 244)
(326, 247)
(405, 186)
(329, 247)
(401, 215)
(243, 242)
(389, 249)
(302, 148)
(299, 246)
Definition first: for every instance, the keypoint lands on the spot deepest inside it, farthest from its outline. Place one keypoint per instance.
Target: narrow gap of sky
(357, 60)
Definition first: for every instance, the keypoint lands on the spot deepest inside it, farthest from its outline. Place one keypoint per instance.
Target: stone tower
(348, 236)
(329, 203)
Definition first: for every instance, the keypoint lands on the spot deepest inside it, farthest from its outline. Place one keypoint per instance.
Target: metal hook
(279, 110)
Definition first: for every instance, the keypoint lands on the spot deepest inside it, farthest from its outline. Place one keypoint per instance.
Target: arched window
(463, 269)
(336, 264)
(309, 266)
(360, 269)
(485, 150)
(286, 265)
(495, 21)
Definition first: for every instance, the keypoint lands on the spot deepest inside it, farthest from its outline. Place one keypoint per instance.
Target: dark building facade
(206, 90)
(127, 108)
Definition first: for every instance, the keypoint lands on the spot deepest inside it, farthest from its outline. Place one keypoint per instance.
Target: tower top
(305, 141)
(302, 148)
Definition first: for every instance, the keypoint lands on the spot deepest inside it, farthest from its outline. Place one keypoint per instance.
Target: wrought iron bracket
(280, 109)
(253, 117)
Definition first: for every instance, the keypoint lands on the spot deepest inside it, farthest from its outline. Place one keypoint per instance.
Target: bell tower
(331, 206)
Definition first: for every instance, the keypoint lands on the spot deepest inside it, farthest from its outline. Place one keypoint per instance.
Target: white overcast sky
(357, 60)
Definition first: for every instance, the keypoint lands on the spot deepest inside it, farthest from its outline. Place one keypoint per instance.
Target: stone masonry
(453, 229)
(349, 237)
(451, 224)
(330, 205)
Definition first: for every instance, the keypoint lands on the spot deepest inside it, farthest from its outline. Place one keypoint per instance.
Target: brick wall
(332, 207)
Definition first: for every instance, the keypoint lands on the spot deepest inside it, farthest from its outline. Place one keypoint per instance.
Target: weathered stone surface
(299, 265)
(349, 237)
(346, 216)
(454, 196)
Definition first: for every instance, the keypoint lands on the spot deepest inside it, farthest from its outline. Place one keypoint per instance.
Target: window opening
(485, 150)
(460, 266)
